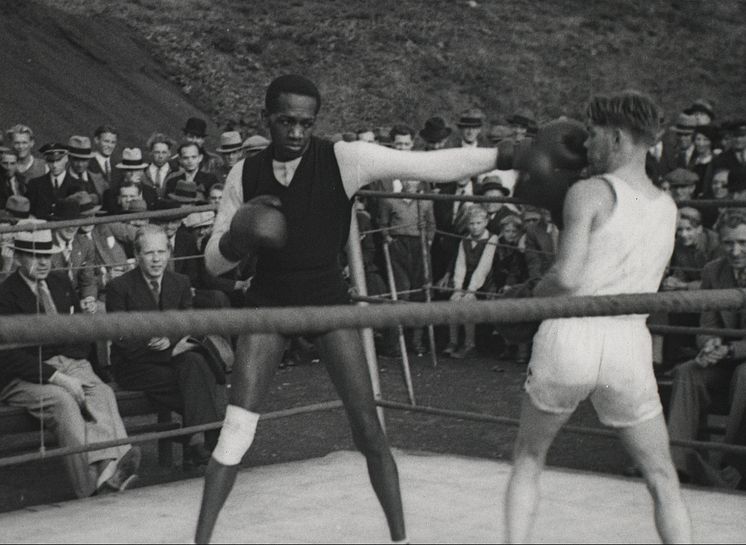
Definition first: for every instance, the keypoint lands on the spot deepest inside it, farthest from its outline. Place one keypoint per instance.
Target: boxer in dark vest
(290, 205)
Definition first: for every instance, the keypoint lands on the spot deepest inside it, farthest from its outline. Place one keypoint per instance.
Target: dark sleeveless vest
(307, 270)
(472, 255)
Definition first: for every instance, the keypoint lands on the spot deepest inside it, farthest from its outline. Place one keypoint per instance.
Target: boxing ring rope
(116, 218)
(49, 329)
(36, 329)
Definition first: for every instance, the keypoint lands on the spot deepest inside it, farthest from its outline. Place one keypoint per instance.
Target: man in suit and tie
(719, 369)
(159, 169)
(171, 373)
(44, 192)
(105, 141)
(80, 154)
(678, 145)
(77, 406)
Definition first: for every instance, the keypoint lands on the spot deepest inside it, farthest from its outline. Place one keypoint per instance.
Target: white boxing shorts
(608, 358)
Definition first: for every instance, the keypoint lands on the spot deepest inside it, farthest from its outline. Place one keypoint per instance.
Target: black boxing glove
(259, 223)
(550, 165)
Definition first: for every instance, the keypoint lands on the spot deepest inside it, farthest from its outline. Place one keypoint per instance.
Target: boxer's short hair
(292, 84)
(632, 111)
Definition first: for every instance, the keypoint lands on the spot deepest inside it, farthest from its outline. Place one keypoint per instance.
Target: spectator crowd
(453, 249)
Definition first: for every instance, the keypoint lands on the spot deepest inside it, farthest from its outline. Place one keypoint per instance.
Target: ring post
(428, 283)
(400, 328)
(357, 274)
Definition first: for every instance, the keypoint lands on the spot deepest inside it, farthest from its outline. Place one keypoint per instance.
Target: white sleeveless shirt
(629, 253)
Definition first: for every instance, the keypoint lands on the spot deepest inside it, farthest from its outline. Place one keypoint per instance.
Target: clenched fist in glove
(259, 223)
(549, 164)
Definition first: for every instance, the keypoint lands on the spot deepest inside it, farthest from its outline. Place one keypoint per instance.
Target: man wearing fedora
(160, 146)
(195, 132)
(231, 150)
(522, 123)
(678, 144)
(110, 253)
(80, 154)
(470, 125)
(435, 134)
(77, 255)
(702, 110)
(254, 144)
(43, 192)
(133, 168)
(190, 158)
(78, 407)
(10, 182)
(734, 157)
(105, 139)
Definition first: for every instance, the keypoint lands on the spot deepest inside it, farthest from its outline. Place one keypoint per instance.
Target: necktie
(46, 298)
(457, 204)
(155, 290)
(67, 252)
(107, 169)
(158, 179)
(740, 278)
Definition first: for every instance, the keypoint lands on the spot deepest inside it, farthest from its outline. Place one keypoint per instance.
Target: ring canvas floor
(447, 499)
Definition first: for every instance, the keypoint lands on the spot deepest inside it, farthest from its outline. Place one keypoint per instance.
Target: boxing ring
(446, 498)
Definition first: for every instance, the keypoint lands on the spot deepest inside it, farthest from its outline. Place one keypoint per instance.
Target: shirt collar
(285, 170)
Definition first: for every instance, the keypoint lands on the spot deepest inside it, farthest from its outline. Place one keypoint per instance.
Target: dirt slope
(66, 74)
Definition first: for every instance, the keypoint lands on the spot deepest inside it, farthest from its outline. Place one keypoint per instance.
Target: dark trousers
(695, 390)
(186, 385)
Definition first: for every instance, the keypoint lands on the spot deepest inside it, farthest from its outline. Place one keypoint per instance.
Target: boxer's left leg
(342, 353)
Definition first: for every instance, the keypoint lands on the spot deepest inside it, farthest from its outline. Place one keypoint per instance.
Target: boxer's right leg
(257, 359)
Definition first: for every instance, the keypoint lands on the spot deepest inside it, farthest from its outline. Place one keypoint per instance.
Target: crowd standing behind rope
(475, 250)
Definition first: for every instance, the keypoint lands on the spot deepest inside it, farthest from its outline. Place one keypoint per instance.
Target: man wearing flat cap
(80, 153)
(43, 192)
(683, 183)
(78, 407)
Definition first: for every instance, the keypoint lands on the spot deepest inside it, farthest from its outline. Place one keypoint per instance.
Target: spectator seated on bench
(168, 370)
(62, 389)
(718, 371)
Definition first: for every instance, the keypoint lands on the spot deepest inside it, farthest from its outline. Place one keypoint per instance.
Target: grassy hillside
(384, 61)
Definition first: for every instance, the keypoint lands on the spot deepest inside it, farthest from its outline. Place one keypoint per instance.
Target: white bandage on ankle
(236, 436)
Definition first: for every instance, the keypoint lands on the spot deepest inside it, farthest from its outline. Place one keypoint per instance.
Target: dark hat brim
(229, 149)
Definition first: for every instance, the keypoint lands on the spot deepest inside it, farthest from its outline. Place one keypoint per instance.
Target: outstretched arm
(361, 163)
